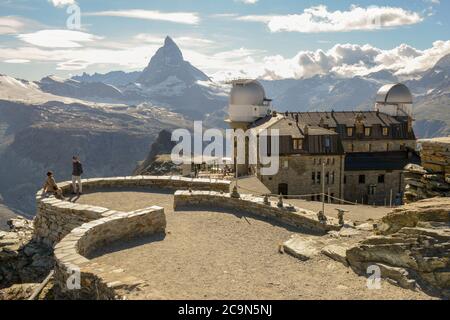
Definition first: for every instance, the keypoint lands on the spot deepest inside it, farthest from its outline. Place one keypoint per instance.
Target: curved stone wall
(56, 218)
(295, 217)
(76, 277)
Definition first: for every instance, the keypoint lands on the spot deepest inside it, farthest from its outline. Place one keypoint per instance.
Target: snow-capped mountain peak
(168, 62)
(169, 54)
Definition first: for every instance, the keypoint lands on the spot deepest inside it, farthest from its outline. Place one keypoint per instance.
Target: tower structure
(247, 104)
(395, 100)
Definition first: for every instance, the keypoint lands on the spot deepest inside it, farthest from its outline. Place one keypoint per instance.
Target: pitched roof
(286, 126)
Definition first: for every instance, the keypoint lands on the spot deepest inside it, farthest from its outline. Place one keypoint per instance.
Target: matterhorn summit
(168, 63)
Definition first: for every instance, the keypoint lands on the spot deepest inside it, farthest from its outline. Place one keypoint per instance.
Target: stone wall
(56, 218)
(359, 192)
(292, 216)
(101, 282)
(297, 173)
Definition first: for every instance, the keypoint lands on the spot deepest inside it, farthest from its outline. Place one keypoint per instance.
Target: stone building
(359, 155)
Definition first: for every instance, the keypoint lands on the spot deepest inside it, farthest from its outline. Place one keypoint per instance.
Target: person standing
(77, 171)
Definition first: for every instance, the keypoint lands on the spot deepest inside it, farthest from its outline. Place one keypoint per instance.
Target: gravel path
(218, 255)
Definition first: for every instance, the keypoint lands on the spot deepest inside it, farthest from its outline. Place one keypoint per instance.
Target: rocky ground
(412, 247)
(5, 215)
(23, 263)
(432, 179)
(423, 184)
(158, 162)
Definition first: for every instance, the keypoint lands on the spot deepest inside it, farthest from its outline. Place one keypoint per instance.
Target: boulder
(412, 248)
(302, 248)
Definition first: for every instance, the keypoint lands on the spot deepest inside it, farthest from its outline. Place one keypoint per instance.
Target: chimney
(306, 130)
(322, 122)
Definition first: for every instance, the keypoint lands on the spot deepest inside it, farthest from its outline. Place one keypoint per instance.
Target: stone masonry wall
(359, 192)
(297, 173)
(292, 216)
(97, 281)
(56, 218)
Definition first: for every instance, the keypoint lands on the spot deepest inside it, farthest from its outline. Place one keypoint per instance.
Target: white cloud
(81, 58)
(320, 19)
(346, 60)
(9, 25)
(16, 24)
(58, 38)
(177, 17)
(184, 41)
(62, 3)
(17, 61)
(75, 53)
(248, 1)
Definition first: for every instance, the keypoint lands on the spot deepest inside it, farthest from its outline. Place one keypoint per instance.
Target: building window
(381, 178)
(345, 179)
(368, 132)
(370, 147)
(349, 132)
(372, 190)
(385, 131)
(387, 147)
(319, 177)
(362, 179)
(353, 147)
(297, 144)
(314, 177)
(327, 142)
(327, 178)
(332, 177)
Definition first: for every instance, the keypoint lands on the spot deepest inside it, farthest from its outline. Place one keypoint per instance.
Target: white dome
(247, 92)
(394, 94)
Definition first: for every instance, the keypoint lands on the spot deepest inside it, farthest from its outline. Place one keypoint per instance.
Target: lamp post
(323, 188)
(235, 193)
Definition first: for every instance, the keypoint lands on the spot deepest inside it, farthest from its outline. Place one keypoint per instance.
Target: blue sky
(225, 38)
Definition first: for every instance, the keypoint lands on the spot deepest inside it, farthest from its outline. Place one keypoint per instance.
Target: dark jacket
(77, 169)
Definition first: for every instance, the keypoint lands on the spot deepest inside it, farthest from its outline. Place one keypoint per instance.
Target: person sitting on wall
(51, 187)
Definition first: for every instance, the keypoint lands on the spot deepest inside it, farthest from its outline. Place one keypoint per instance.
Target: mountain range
(111, 119)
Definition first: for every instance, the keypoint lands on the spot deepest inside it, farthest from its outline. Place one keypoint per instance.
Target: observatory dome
(247, 92)
(394, 94)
